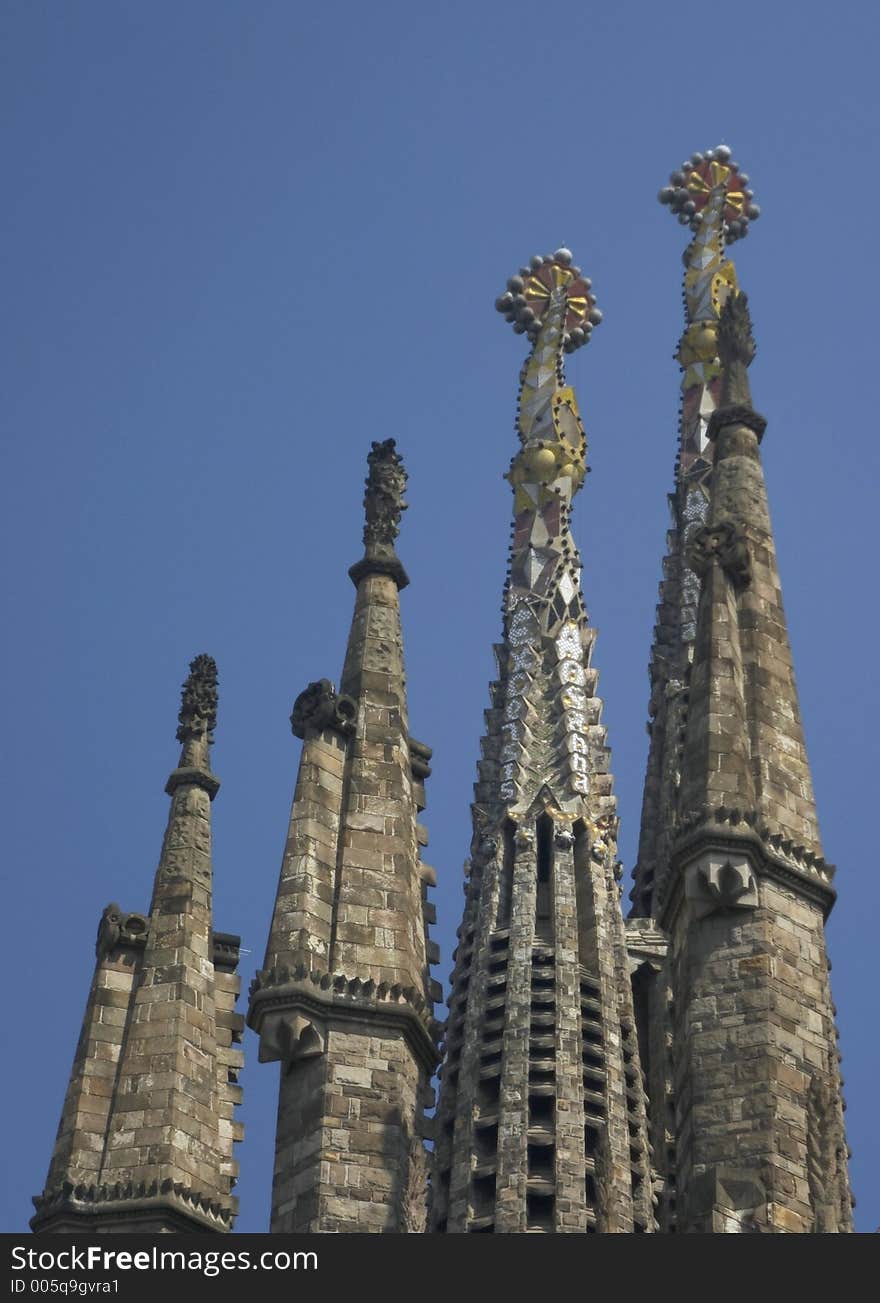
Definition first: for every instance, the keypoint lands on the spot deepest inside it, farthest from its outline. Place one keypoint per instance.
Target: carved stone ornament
(383, 500)
(198, 706)
(564, 839)
(108, 930)
(722, 542)
(826, 1160)
(736, 342)
(290, 1037)
(718, 881)
(118, 928)
(414, 1205)
(524, 838)
(318, 707)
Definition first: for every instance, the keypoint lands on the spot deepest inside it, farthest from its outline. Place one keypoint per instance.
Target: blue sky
(242, 240)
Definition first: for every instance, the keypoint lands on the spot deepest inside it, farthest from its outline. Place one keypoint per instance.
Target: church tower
(146, 1133)
(736, 1019)
(344, 1001)
(541, 1124)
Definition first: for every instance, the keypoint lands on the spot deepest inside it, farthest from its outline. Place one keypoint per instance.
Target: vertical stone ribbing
(155, 1154)
(573, 1169)
(344, 1001)
(516, 1102)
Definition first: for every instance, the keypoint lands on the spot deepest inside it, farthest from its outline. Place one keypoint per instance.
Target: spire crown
(712, 187)
(530, 294)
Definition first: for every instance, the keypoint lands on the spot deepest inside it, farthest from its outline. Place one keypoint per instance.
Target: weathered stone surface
(146, 1136)
(344, 1000)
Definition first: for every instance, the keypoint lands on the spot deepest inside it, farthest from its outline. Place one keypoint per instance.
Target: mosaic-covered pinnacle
(698, 177)
(198, 705)
(527, 297)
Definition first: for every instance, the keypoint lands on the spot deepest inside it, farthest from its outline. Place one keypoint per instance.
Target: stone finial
(198, 706)
(736, 343)
(383, 500)
(383, 507)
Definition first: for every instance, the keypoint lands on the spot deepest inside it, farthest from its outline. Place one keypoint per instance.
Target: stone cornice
(188, 777)
(326, 995)
(736, 414)
(131, 1202)
(378, 565)
(736, 831)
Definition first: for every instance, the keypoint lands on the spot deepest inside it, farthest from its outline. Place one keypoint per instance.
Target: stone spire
(541, 1123)
(742, 888)
(344, 1000)
(710, 195)
(146, 1133)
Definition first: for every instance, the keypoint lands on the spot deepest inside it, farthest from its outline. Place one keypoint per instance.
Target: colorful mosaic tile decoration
(547, 639)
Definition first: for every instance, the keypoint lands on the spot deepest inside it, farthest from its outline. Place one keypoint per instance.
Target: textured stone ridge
(345, 998)
(147, 1130)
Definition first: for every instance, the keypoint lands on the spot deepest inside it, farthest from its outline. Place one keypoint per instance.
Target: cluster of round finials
(527, 297)
(690, 188)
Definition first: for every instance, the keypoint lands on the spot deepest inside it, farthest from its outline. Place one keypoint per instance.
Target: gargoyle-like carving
(564, 839)
(383, 500)
(290, 1037)
(524, 838)
(198, 706)
(722, 542)
(118, 928)
(108, 930)
(720, 882)
(318, 707)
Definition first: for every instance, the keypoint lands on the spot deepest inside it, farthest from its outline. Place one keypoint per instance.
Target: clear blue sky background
(240, 241)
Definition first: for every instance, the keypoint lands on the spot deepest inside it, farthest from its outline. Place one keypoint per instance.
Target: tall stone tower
(736, 1020)
(146, 1133)
(344, 1001)
(541, 1124)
